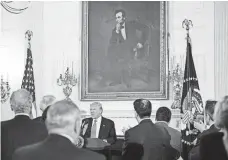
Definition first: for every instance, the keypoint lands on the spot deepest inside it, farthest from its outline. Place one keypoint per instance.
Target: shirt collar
(98, 119)
(22, 114)
(164, 122)
(144, 119)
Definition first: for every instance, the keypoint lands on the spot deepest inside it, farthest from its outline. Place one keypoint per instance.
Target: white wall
(57, 29)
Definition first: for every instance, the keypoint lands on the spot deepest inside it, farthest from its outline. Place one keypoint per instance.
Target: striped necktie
(94, 129)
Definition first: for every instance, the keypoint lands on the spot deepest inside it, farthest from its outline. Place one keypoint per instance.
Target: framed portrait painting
(124, 50)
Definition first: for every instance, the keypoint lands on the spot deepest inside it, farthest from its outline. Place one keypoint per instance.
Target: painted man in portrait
(127, 44)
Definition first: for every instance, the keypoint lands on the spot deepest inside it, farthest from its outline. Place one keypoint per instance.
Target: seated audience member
(163, 117)
(97, 126)
(209, 111)
(146, 133)
(214, 146)
(63, 124)
(21, 130)
(46, 102)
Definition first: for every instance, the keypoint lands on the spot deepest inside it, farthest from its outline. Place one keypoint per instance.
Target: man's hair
(221, 113)
(97, 104)
(163, 114)
(47, 101)
(21, 101)
(210, 108)
(62, 114)
(122, 11)
(143, 107)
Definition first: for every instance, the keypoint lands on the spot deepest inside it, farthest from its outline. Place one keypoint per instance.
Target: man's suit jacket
(20, 131)
(55, 147)
(38, 119)
(155, 140)
(135, 33)
(194, 154)
(212, 147)
(175, 135)
(107, 129)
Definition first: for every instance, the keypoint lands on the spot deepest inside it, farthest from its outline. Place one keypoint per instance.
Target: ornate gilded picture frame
(124, 50)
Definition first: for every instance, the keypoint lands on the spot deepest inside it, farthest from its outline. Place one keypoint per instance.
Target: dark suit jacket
(155, 141)
(107, 129)
(39, 119)
(194, 154)
(135, 33)
(55, 147)
(20, 131)
(212, 147)
(175, 135)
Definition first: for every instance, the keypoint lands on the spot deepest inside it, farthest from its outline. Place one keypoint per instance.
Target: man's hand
(118, 28)
(139, 45)
(199, 125)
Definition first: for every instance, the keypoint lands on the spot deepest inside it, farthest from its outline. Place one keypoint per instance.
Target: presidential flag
(191, 97)
(191, 103)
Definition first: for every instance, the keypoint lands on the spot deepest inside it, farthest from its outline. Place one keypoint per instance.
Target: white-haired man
(45, 103)
(97, 126)
(21, 130)
(63, 124)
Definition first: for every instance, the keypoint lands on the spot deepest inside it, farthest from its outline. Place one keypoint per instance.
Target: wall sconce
(5, 90)
(68, 81)
(176, 76)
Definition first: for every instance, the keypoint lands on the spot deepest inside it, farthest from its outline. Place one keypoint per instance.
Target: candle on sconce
(72, 68)
(172, 67)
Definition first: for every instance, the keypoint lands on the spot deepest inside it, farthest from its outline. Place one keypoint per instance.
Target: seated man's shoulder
(27, 150)
(214, 137)
(174, 131)
(135, 129)
(108, 120)
(4, 123)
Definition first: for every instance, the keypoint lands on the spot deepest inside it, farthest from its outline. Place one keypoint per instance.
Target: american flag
(187, 117)
(28, 78)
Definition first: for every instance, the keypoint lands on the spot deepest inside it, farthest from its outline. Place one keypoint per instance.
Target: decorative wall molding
(221, 49)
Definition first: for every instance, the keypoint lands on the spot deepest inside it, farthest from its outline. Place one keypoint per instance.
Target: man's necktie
(94, 129)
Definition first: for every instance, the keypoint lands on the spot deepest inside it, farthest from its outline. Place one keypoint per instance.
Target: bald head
(21, 101)
(63, 114)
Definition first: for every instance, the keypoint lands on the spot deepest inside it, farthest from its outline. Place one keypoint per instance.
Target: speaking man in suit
(21, 130)
(97, 126)
(163, 117)
(153, 139)
(63, 124)
(126, 44)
